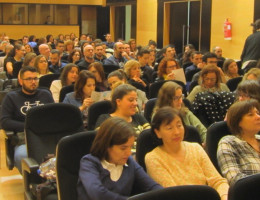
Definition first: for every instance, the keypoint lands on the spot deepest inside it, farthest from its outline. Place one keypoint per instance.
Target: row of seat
(44, 131)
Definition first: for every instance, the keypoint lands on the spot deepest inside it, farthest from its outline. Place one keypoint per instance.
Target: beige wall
(240, 13)
(75, 2)
(18, 31)
(146, 25)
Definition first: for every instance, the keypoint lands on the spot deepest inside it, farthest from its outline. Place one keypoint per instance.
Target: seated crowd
(123, 73)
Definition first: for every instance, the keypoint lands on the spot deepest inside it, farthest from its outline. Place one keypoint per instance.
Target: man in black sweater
(16, 104)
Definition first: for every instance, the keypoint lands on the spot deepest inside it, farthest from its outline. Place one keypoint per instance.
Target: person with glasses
(170, 94)
(209, 58)
(210, 81)
(17, 103)
(176, 162)
(165, 69)
(41, 64)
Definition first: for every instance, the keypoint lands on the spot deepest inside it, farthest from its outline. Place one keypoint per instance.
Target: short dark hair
(55, 51)
(84, 75)
(113, 131)
(119, 92)
(59, 42)
(164, 115)
(64, 73)
(26, 69)
(152, 42)
(166, 47)
(195, 53)
(250, 88)
(208, 55)
(118, 73)
(237, 111)
(142, 51)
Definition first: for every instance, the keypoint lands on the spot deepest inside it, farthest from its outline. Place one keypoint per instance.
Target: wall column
(112, 22)
(146, 26)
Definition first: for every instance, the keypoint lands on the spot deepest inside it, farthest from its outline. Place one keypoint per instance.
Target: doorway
(185, 24)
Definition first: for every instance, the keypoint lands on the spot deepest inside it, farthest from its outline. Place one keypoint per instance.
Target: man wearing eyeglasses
(16, 104)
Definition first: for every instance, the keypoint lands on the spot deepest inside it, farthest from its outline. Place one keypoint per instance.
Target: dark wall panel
(205, 25)
(102, 21)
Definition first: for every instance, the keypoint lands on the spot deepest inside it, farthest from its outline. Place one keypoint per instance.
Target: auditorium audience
(97, 69)
(81, 97)
(109, 171)
(177, 162)
(133, 72)
(74, 56)
(68, 76)
(210, 80)
(119, 75)
(165, 69)
(252, 74)
(170, 94)
(230, 69)
(238, 154)
(41, 64)
(124, 105)
(15, 55)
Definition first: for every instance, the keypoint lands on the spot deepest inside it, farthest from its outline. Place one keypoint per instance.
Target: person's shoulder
(89, 158)
(229, 139)
(43, 91)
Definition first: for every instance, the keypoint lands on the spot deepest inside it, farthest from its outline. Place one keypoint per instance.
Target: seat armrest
(8, 133)
(30, 165)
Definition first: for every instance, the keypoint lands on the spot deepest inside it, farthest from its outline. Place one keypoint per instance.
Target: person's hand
(139, 80)
(200, 65)
(170, 76)
(86, 103)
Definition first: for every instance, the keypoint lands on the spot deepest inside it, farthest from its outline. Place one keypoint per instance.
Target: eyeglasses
(43, 61)
(212, 62)
(31, 79)
(171, 67)
(210, 79)
(177, 98)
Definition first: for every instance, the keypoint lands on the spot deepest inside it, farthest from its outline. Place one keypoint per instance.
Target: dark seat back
(233, 83)
(149, 106)
(184, 192)
(69, 152)
(95, 110)
(65, 90)
(46, 125)
(46, 80)
(245, 188)
(155, 87)
(190, 74)
(16, 68)
(215, 132)
(110, 68)
(148, 109)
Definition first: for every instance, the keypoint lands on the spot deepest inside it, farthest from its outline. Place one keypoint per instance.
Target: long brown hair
(84, 75)
(166, 95)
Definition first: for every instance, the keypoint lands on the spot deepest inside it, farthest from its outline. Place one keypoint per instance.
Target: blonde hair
(253, 71)
(129, 65)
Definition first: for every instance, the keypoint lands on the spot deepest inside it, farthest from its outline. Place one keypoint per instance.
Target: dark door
(185, 24)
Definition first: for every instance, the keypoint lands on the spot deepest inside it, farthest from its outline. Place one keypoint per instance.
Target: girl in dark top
(124, 104)
(15, 55)
(109, 172)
